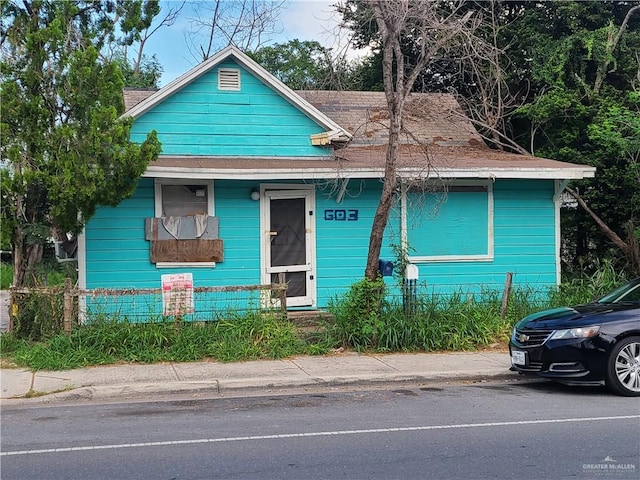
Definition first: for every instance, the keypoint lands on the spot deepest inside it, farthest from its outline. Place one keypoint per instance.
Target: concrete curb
(246, 387)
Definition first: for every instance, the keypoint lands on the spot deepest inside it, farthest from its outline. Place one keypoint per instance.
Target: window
(183, 197)
(183, 200)
(184, 231)
(451, 223)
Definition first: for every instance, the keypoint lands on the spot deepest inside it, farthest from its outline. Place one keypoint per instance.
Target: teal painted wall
(443, 223)
(202, 120)
(117, 253)
(524, 243)
(342, 245)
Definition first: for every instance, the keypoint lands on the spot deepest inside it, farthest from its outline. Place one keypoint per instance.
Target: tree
(305, 65)
(143, 20)
(300, 64)
(583, 108)
(548, 78)
(247, 24)
(65, 149)
(433, 30)
(144, 75)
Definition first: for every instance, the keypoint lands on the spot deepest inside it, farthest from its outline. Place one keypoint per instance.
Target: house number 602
(341, 215)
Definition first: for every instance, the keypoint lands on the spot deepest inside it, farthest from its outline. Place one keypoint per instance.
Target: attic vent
(228, 79)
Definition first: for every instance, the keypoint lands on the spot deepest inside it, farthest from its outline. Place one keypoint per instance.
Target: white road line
(314, 434)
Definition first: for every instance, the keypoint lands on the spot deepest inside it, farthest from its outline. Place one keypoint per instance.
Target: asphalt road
(521, 430)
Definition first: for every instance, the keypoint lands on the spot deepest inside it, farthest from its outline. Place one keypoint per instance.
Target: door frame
(278, 191)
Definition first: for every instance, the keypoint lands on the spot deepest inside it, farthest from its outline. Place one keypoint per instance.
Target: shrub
(359, 318)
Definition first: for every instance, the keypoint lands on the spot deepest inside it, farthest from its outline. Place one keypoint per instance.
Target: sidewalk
(21, 386)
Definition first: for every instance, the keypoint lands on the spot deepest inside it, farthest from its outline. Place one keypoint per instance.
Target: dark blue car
(588, 344)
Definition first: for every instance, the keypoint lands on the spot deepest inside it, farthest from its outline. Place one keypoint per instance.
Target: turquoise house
(255, 180)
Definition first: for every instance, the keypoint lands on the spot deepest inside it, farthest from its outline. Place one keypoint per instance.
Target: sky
(298, 19)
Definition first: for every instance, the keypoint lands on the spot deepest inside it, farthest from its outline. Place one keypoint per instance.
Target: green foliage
(301, 65)
(146, 76)
(64, 146)
(461, 321)
(306, 65)
(579, 94)
(360, 317)
(6, 275)
(582, 108)
(456, 322)
(581, 288)
(243, 337)
(39, 315)
(365, 320)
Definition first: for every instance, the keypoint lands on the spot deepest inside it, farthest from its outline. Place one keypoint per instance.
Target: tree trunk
(18, 260)
(613, 236)
(634, 247)
(381, 217)
(25, 258)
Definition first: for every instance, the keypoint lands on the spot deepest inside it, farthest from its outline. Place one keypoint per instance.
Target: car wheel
(623, 367)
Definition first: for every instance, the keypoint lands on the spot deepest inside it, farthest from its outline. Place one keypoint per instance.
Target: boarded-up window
(184, 229)
(451, 224)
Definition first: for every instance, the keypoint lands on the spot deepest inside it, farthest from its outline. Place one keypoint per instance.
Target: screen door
(289, 243)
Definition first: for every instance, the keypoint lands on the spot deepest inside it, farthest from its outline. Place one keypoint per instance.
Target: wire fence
(40, 311)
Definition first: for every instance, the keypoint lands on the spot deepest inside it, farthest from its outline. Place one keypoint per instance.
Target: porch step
(310, 324)
(309, 318)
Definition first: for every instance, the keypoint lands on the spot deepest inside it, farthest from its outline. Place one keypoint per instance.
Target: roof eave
(366, 172)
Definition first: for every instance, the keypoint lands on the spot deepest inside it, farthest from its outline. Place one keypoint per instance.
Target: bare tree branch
(613, 236)
(434, 32)
(612, 44)
(247, 24)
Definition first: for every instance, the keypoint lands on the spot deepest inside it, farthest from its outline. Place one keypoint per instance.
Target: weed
(6, 275)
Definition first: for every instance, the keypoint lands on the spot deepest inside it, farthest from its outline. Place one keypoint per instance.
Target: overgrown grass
(587, 288)
(249, 337)
(366, 319)
(460, 321)
(456, 322)
(47, 273)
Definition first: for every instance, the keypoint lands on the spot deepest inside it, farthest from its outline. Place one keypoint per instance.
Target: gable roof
(334, 130)
(439, 140)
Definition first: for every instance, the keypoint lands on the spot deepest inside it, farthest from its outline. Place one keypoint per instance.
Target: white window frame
(158, 183)
(489, 256)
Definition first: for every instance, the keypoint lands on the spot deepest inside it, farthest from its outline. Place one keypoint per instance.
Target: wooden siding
(442, 224)
(342, 245)
(117, 254)
(254, 121)
(524, 244)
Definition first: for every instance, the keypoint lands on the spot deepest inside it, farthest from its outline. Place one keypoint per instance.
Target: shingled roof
(428, 118)
(133, 96)
(439, 140)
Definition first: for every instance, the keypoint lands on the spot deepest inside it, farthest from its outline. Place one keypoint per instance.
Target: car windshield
(629, 292)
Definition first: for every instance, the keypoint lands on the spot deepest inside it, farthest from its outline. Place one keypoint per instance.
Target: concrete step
(309, 318)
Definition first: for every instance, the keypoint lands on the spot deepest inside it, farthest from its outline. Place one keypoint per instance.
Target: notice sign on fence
(177, 294)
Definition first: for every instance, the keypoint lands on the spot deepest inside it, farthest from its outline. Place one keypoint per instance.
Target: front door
(288, 243)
